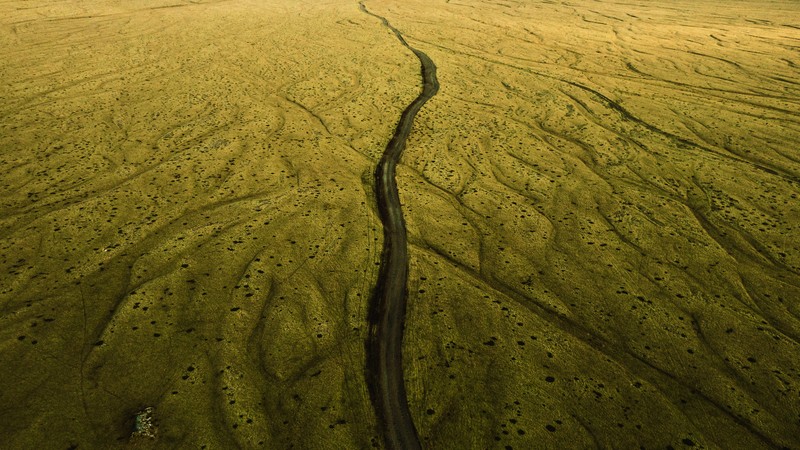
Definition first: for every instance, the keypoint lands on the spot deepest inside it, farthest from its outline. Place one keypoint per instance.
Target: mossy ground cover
(602, 208)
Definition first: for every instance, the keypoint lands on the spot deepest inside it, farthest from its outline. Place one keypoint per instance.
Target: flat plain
(601, 203)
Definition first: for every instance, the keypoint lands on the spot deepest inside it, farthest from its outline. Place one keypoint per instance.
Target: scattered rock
(144, 424)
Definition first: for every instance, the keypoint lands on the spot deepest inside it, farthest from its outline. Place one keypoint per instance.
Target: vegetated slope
(602, 203)
(187, 219)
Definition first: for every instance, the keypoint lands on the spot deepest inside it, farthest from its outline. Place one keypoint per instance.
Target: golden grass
(602, 205)
(187, 219)
(602, 202)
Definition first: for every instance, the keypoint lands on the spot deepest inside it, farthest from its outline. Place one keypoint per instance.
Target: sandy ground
(602, 205)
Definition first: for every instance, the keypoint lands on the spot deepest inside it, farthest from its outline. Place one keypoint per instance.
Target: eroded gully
(388, 302)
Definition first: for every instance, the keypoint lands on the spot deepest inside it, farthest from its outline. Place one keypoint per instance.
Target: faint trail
(388, 302)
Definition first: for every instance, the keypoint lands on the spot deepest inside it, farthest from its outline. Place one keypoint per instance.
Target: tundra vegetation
(601, 205)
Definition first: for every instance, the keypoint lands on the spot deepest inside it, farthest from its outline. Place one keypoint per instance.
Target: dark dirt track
(388, 302)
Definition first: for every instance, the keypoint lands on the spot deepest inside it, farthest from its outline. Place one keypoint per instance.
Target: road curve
(388, 303)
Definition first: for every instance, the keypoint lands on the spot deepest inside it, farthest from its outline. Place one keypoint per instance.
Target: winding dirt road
(388, 303)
